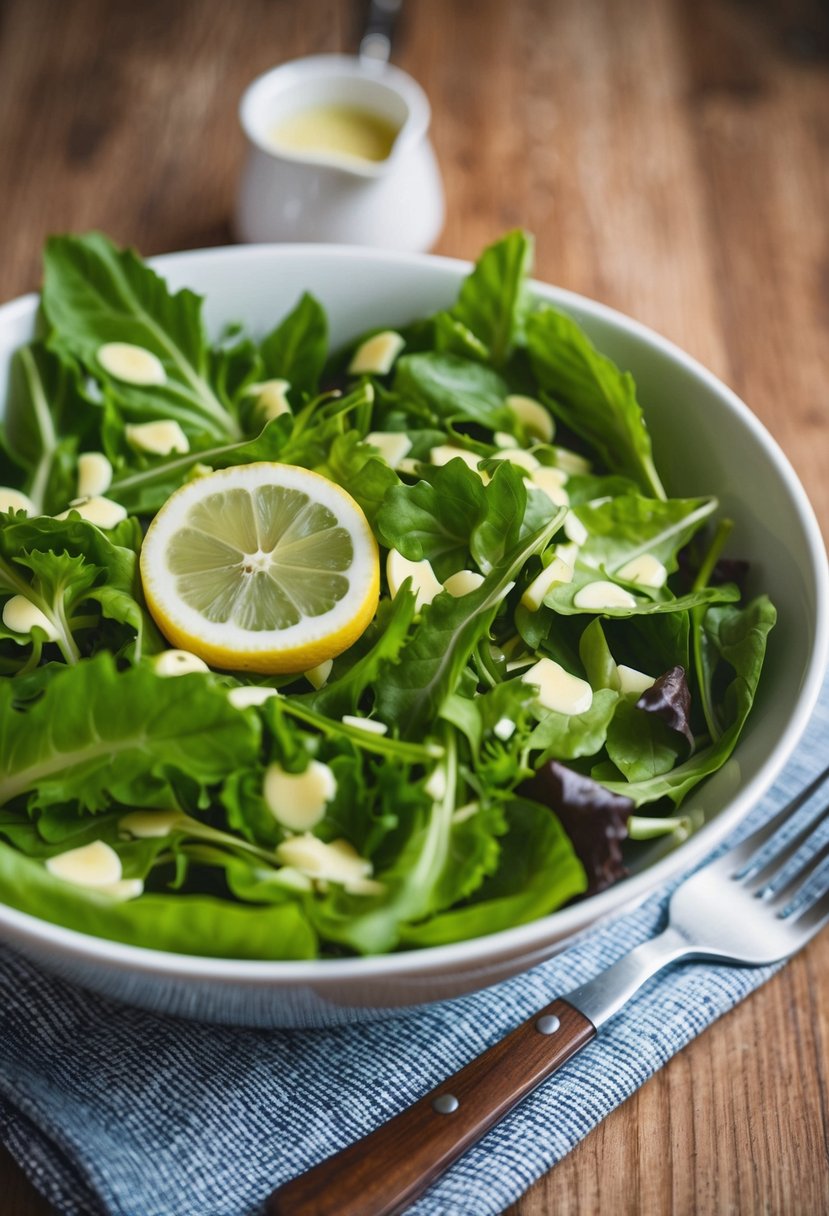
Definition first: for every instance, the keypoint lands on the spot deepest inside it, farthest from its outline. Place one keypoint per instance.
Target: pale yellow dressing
(343, 130)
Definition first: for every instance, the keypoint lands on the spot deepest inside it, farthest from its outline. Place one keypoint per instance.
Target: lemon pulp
(265, 567)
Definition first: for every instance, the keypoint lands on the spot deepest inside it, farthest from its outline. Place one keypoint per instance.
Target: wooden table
(672, 161)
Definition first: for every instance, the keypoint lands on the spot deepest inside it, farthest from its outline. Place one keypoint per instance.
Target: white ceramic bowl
(706, 442)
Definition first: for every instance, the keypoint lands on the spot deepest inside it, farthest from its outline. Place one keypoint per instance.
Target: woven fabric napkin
(112, 1110)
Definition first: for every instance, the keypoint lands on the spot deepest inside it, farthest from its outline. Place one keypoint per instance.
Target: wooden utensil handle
(388, 1169)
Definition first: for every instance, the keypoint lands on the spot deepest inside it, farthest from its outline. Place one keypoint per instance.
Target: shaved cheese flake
(376, 355)
(574, 529)
(16, 500)
(298, 800)
(571, 462)
(271, 398)
(517, 456)
(435, 787)
(532, 415)
(552, 482)
(21, 616)
(250, 695)
(132, 364)
(568, 553)
(317, 676)
(368, 724)
(633, 681)
(150, 825)
(393, 446)
(92, 865)
(554, 575)
(103, 512)
(504, 729)
(337, 861)
(502, 440)
(444, 452)
(124, 889)
(645, 569)
(424, 583)
(467, 811)
(595, 597)
(160, 438)
(94, 474)
(463, 582)
(557, 689)
(178, 663)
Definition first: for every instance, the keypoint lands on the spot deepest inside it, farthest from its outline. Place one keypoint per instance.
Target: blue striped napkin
(112, 1110)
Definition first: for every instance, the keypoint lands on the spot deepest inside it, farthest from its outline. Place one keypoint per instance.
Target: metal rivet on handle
(549, 1024)
(445, 1104)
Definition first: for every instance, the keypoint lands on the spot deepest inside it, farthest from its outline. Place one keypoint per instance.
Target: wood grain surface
(673, 161)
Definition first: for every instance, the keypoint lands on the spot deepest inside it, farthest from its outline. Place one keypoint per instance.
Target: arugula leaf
(364, 663)
(94, 293)
(592, 397)
(453, 337)
(296, 349)
(447, 386)
(431, 663)
(98, 735)
(494, 299)
(561, 598)
(47, 422)
(629, 526)
(352, 464)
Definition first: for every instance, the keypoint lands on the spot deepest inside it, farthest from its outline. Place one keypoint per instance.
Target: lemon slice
(262, 567)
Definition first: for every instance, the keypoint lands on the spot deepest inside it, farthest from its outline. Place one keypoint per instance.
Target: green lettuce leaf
(99, 735)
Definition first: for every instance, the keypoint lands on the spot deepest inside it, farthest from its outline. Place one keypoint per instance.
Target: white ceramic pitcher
(288, 195)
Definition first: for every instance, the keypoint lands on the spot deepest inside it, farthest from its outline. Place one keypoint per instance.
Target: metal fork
(745, 907)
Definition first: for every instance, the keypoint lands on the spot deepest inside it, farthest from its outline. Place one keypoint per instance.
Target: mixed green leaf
(523, 722)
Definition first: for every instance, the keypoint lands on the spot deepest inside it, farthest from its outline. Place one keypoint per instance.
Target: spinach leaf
(450, 515)
(296, 349)
(447, 386)
(640, 744)
(494, 299)
(567, 736)
(94, 293)
(538, 871)
(592, 397)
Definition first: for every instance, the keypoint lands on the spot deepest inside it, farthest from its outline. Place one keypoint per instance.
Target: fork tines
(757, 864)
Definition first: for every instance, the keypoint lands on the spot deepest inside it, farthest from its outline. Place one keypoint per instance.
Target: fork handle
(389, 1168)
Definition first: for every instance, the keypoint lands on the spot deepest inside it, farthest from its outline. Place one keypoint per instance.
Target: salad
(512, 651)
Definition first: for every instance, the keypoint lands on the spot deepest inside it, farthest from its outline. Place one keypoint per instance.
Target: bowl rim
(536, 938)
